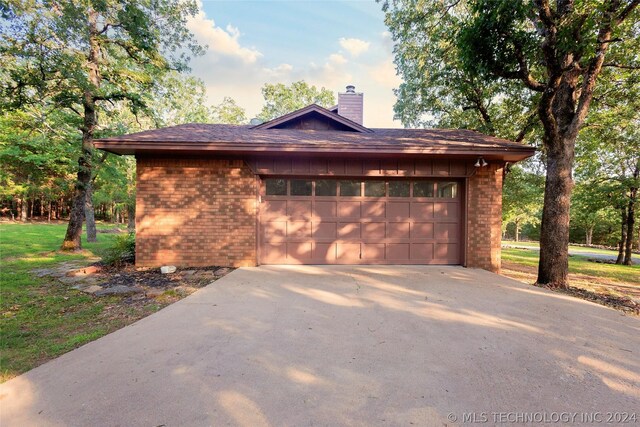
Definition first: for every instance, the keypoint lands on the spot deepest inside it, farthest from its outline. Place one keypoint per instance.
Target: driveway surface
(346, 345)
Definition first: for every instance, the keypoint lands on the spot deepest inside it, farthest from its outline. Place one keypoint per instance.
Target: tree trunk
(23, 210)
(623, 237)
(89, 215)
(517, 231)
(630, 225)
(589, 235)
(131, 217)
(72, 239)
(553, 268)
(49, 212)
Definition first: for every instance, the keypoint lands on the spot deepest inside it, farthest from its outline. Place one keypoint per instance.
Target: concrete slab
(345, 345)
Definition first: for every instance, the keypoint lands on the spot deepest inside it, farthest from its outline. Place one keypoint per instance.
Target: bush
(122, 252)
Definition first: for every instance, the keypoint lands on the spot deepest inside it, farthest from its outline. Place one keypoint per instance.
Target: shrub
(122, 251)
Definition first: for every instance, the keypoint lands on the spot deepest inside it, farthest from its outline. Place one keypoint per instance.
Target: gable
(313, 117)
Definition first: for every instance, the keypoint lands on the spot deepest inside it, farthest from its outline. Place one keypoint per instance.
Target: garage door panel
(399, 230)
(325, 230)
(300, 251)
(348, 252)
(325, 209)
(422, 230)
(397, 251)
(422, 210)
(447, 231)
(373, 251)
(374, 230)
(398, 210)
(299, 209)
(299, 229)
(446, 251)
(273, 252)
(275, 230)
(374, 209)
(349, 230)
(325, 252)
(421, 252)
(349, 209)
(274, 209)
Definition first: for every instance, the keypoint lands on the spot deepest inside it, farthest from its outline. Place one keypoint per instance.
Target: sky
(328, 44)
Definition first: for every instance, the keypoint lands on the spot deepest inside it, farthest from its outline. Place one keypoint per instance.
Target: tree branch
(624, 66)
(627, 11)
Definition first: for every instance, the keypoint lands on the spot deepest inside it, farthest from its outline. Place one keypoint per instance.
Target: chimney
(350, 104)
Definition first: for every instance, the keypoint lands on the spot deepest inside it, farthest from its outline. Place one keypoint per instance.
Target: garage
(315, 186)
(360, 221)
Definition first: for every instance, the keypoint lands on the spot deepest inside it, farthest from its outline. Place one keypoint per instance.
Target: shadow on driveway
(343, 345)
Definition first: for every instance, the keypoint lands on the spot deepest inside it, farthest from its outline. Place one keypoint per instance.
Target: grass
(572, 248)
(603, 279)
(41, 318)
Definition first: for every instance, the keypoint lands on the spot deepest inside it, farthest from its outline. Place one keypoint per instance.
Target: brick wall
(195, 212)
(484, 220)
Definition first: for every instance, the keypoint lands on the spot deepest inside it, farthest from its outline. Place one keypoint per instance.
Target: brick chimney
(350, 104)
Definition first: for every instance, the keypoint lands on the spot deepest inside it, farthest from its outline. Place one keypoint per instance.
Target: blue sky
(327, 43)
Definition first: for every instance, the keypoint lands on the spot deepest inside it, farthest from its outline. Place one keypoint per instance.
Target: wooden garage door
(331, 221)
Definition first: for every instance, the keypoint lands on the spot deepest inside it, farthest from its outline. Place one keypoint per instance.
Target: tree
(522, 199)
(554, 51)
(229, 112)
(82, 56)
(178, 99)
(280, 99)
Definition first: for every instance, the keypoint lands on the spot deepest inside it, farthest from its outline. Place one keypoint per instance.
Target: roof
(274, 137)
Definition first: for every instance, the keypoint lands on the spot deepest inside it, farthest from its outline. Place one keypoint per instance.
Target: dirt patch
(617, 295)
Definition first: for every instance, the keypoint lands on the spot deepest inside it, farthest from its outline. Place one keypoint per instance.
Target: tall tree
(554, 50)
(281, 99)
(83, 55)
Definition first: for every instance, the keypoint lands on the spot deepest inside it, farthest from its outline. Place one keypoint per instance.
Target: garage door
(331, 221)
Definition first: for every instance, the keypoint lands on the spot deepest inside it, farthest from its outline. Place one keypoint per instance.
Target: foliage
(228, 112)
(280, 99)
(122, 251)
(522, 199)
(81, 56)
(179, 99)
(543, 56)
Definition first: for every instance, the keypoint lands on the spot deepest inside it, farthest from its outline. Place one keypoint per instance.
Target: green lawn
(573, 248)
(578, 265)
(41, 318)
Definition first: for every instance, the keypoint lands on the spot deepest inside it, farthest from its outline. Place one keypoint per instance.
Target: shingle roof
(232, 138)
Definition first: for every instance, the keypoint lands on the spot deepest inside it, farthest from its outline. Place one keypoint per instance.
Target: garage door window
(448, 190)
(301, 187)
(374, 189)
(350, 189)
(423, 189)
(276, 187)
(326, 187)
(399, 188)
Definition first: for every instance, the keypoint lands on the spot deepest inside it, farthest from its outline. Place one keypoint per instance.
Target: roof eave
(138, 148)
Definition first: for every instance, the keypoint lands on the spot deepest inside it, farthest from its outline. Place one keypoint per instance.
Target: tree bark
(517, 231)
(23, 210)
(49, 212)
(72, 239)
(89, 215)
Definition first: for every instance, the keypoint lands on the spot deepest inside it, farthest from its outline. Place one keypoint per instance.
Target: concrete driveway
(346, 345)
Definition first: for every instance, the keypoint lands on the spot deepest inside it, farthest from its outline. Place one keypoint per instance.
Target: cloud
(385, 75)
(221, 42)
(336, 58)
(355, 47)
